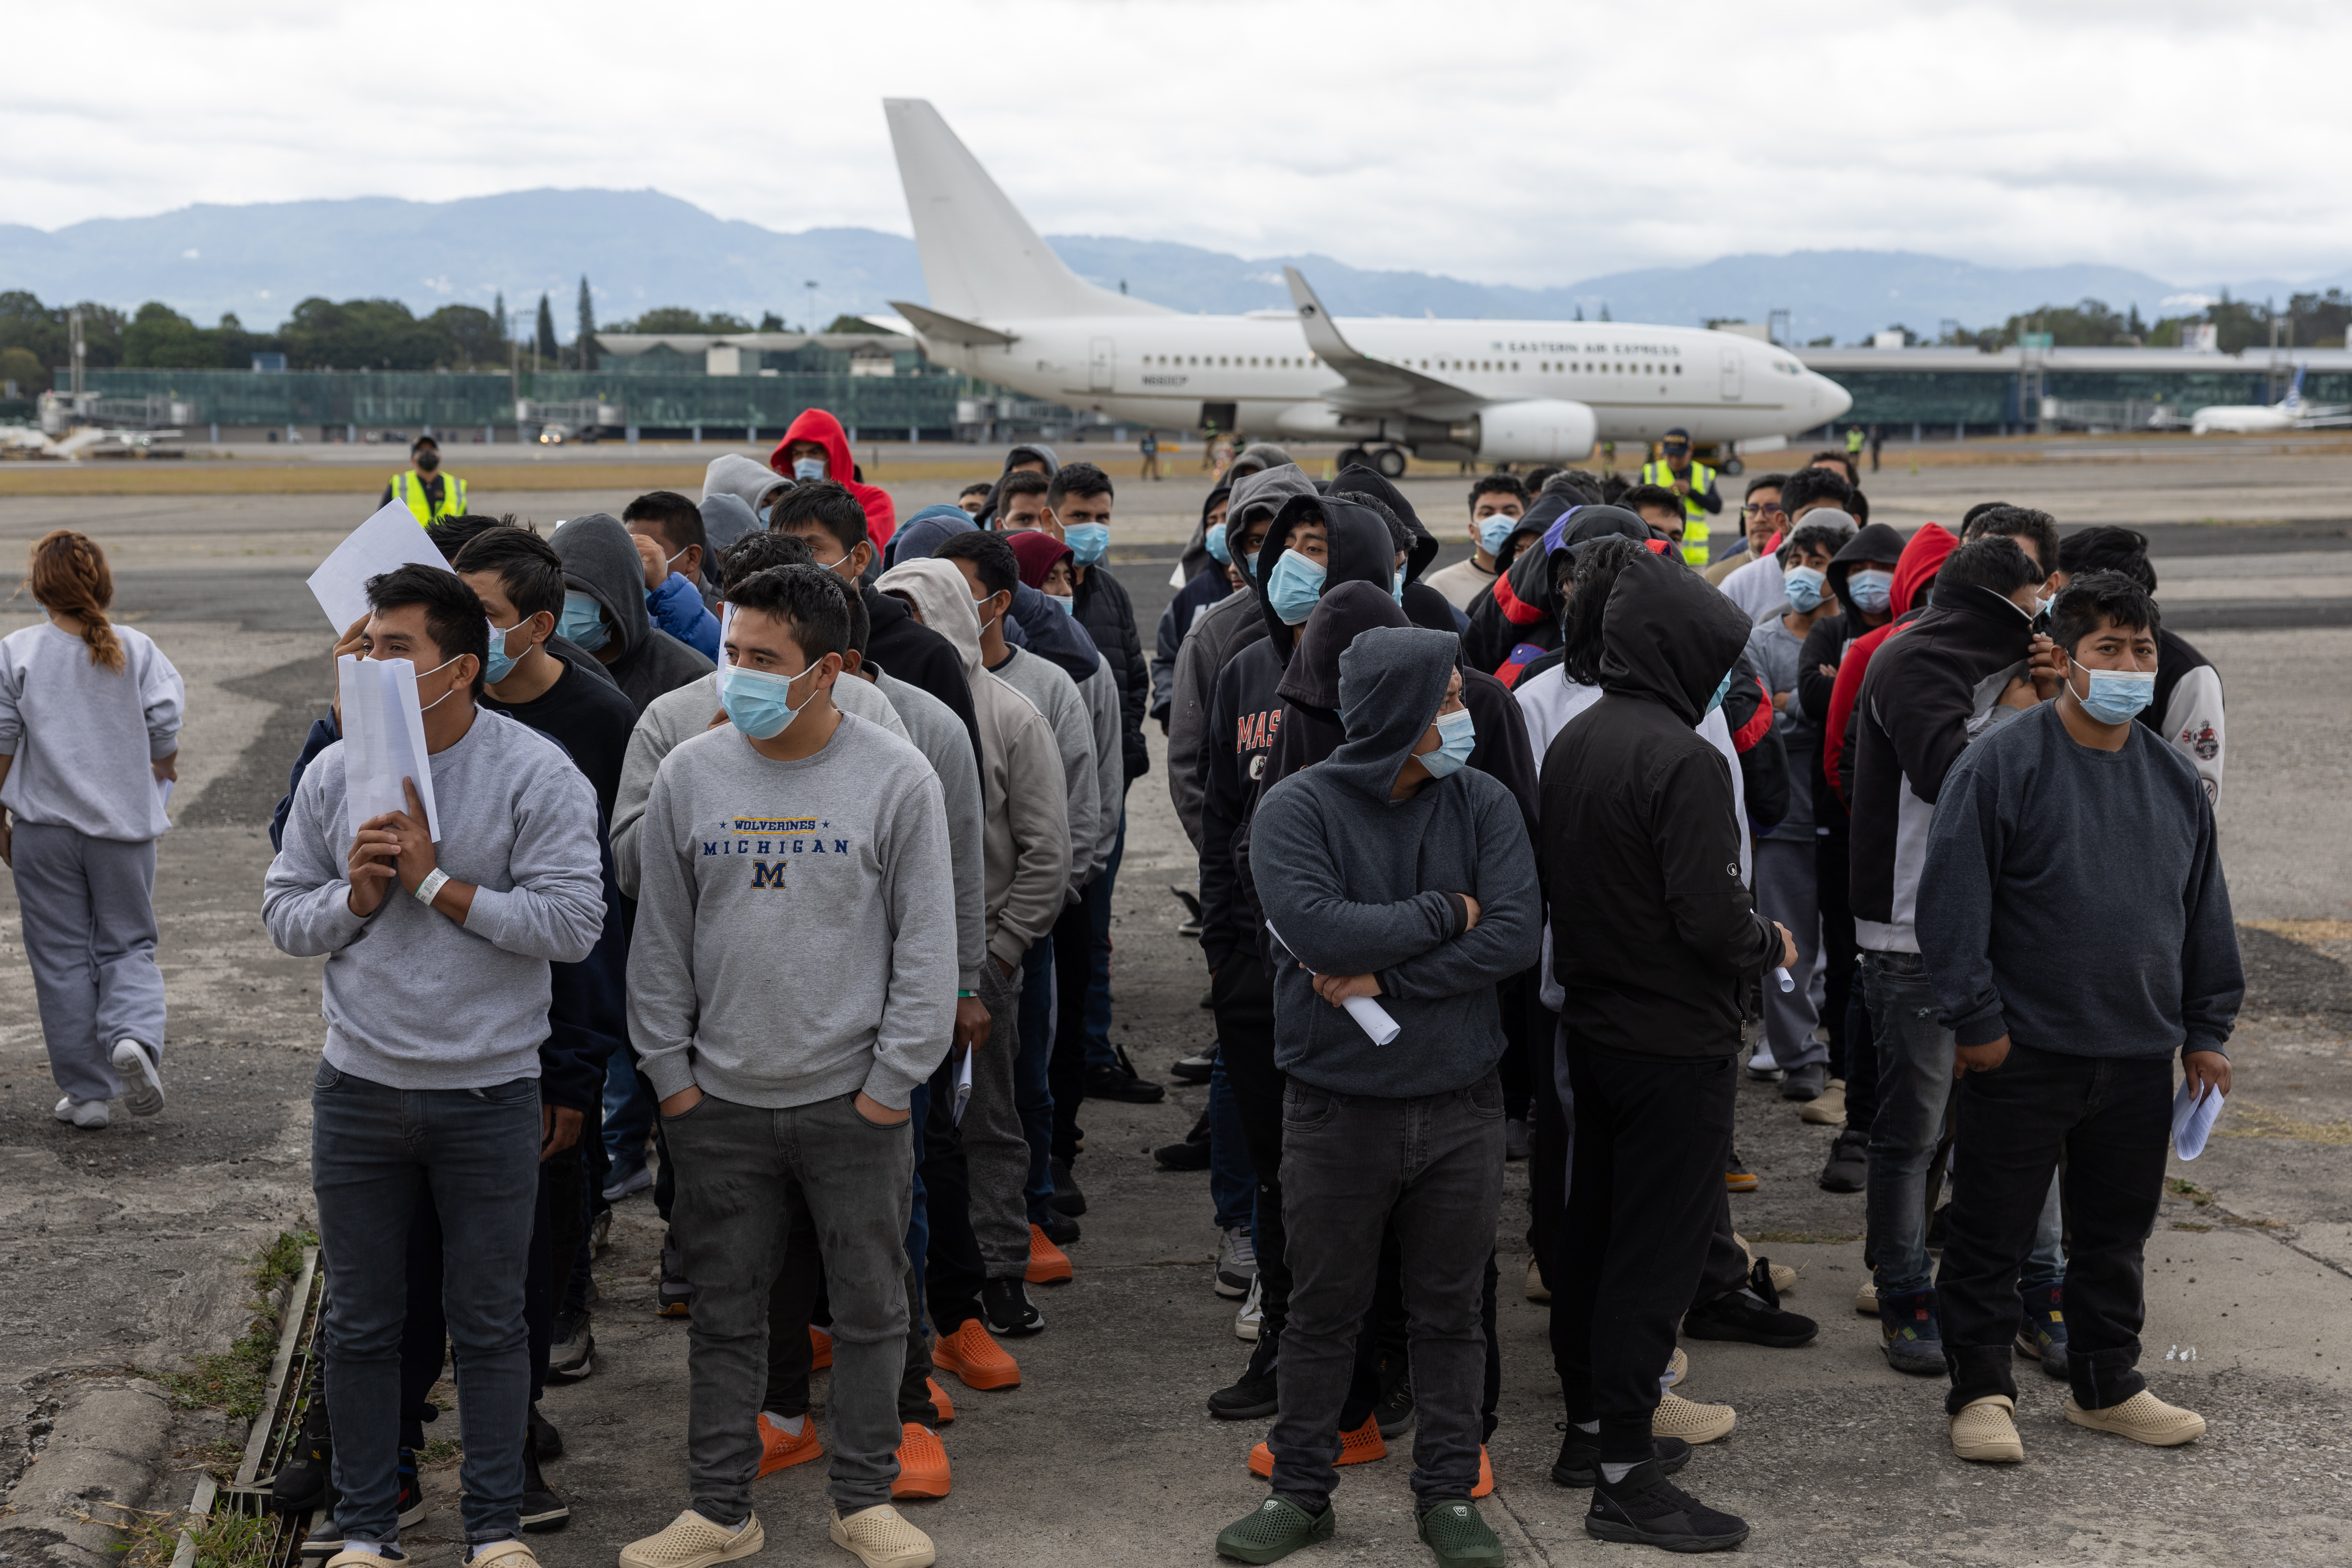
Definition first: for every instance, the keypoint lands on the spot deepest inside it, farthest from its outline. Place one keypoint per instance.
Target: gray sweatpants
(1784, 893)
(89, 910)
(995, 1148)
(744, 1177)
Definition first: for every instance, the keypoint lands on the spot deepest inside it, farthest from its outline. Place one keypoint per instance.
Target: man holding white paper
(2075, 924)
(438, 919)
(1390, 871)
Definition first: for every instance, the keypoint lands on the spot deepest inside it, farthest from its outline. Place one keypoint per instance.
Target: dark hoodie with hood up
(1915, 575)
(1358, 882)
(1831, 635)
(1516, 621)
(1424, 605)
(1653, 930)
(1205, 587)
(601, 561)
(1244, 715)
(815, 425)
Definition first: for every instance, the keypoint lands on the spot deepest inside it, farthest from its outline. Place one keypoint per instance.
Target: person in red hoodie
(816, 448)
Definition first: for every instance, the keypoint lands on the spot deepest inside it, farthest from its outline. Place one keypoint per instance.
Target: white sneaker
(1245, 1321)
(1762, 1064)
(89, 1115)
(143, 1087)
(1236, 1263)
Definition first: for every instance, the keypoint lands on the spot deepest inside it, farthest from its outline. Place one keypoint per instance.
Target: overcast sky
(1525, 143)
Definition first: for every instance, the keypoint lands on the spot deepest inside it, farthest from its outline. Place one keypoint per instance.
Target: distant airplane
(2259, 418)
(1003, 307)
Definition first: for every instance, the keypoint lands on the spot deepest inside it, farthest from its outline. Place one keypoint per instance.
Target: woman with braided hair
(89, 736)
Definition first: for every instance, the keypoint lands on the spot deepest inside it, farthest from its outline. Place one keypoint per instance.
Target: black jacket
(1209, 586)
(1109, 615)
(1653, 931)
(917, 654)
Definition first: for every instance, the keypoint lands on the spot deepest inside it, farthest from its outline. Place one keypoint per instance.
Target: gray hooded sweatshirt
(745, 478)
(601, 561)
(1354, 882)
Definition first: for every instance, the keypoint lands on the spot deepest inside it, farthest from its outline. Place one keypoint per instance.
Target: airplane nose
(1832, 399)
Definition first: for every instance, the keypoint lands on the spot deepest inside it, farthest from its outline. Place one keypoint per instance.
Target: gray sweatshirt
(82, 735)
(1101, 691)
(1054, 695)
(413, 999)
(796, 938)
(679, 715)
(933, 729)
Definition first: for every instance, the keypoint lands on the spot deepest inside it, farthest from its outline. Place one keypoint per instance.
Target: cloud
(1505, 140)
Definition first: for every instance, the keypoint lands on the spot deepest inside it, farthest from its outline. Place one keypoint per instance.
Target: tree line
(2309, 321)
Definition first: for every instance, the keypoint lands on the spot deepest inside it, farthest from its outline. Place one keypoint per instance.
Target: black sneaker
(1909, 1334)
(1939, 1226)
(1806, 1082)
(300, 1484)
(1185, 1156)
(1395, 1409)
(1118, 1083)
(1006, 1310)
(1068, 1198)
(1194, 1068)
(2042, 1334)
(324, 1539)
(543, 1432)
(1736, 1176)
(673, 1297)
(543, 1508)
(1740, 1316)
(1252, 1396)
(573, 1354)
(1059, 1228)
(1848, 1170)
(410, 1502)
(1647, 1510)
(1578, 1464)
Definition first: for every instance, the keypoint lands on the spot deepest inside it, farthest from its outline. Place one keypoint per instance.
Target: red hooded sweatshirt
(1922, 558)
(816, 425)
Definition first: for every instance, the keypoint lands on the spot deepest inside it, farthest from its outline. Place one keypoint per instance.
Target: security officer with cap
(1694, 482)
(429, 494)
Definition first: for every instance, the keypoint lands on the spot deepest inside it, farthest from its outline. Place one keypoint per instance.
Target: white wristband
(430, 889)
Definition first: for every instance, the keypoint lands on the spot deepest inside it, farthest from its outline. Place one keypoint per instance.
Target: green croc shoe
(1275, 1529)
(1457, 1533)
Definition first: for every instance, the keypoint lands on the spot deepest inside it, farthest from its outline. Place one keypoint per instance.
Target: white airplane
(1003, 307)
(2259, 418)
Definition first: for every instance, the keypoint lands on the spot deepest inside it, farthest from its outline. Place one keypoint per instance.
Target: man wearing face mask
(429, 494)
(1193, 599)
(792, 839)
(1951, 678)
(816, 449)
(1497, 501)
(2065, 1023)
(604, 611)
(1389, 872)
(437, 1002)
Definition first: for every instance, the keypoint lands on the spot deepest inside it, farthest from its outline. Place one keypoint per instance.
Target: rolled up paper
(1370, 1016)
(1781, 974)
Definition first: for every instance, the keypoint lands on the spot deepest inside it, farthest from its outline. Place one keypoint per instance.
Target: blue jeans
(628, 1119)
(374, 1149)
(1097, 901)
(1915, 1093)
(1031, 1094)
(1233, 1180)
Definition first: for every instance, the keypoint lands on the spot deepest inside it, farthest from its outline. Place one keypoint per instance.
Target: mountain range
(643, 248)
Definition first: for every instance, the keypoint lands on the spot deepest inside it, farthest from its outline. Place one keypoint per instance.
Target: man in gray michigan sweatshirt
(435, 994)
(791, 980)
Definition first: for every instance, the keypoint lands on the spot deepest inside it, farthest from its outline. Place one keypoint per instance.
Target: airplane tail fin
(981, 262)
(2295, 392)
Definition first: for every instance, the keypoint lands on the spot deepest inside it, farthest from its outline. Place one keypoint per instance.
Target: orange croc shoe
(779, 1450)
(922, 1463)
(820, 1349)
(1048, 1264)
(1360, 1446)
(973, 1356)
(943, 1409)
(1486, 1474)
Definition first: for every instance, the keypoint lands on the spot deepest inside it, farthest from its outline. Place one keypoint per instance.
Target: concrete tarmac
(120, 1247)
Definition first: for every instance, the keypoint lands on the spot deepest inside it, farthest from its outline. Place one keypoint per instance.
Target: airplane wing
(950, 329)
(2334, 418)
(1373, 385)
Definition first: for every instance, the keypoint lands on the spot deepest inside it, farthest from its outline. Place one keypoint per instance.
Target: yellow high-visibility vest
(408, 489)
(1694, 515)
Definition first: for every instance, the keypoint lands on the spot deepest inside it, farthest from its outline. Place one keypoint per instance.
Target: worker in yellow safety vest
(1694, 482)
(427, 492)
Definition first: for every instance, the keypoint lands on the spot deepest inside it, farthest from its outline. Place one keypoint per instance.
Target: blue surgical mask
(1087, 541)
(2115, 696)
(758, 703)
(1722, 690)
(1870, 590)
(1069, 604)
(808, 469)
(583, 622)
(1396, 587)
(1457, 733)
(1495, 531)
(1215, 541)
(763, 514)
(500, 664)
(1804, 585)
(1295, 587)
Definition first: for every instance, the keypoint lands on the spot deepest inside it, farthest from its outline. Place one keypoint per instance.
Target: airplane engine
(1540, 430)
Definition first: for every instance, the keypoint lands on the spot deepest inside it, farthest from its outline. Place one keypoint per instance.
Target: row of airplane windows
(1544, 367)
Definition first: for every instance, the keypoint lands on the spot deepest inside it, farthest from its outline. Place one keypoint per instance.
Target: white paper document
(1370, 1016)
(2193, 1118)
(962, 1083)
(384, 542)
(383, 740)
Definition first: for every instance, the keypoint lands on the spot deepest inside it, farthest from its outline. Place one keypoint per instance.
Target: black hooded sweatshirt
(1826, 642)
(1357, 882)
(1518, 622)
(1424, 605)
(1653, 931)
(1204, 588)
(1103, 608)
(601, 561)
(1245, 713)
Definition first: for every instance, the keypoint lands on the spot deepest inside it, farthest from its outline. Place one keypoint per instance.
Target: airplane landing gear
(1353, 457)
(1389, 462)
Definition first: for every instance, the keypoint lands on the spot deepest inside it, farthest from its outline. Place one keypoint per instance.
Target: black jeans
(1644, 1196)
(1243, 997)
(1833, 863)
(2111, 1119)
(1066, 1072)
